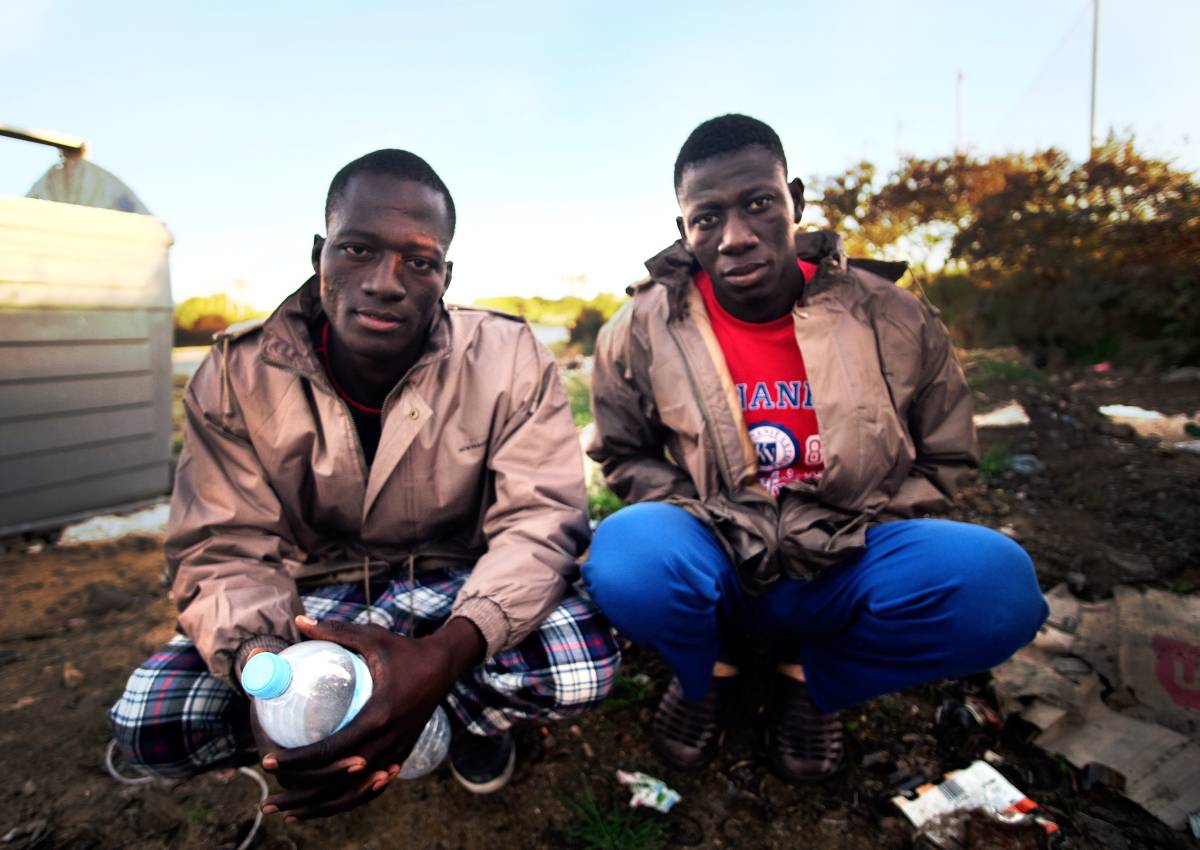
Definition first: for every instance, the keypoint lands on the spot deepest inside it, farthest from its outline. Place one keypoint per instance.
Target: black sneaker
(482, 764)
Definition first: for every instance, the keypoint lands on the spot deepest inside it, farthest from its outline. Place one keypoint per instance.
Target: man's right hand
(342, 773)
(410, 677)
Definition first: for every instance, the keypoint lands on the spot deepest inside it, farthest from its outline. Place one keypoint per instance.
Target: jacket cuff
(488, 617)
(271, 643)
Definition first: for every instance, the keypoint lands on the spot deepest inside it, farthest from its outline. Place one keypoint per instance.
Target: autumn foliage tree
(1090, 260)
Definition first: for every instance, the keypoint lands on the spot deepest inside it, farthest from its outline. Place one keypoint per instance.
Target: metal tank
(85, 347)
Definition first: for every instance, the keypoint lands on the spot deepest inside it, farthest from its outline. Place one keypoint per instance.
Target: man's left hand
(409, 677)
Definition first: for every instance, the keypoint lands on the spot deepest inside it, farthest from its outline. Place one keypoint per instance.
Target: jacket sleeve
(629, 440)
(537, 523)
(940, 421)
(228, 543)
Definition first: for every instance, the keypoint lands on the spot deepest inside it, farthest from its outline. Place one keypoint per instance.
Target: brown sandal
(687, 735)
(803, 743)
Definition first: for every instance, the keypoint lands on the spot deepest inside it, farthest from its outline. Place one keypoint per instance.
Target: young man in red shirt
(780, 416)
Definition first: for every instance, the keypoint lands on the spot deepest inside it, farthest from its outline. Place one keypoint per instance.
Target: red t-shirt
(768, 371)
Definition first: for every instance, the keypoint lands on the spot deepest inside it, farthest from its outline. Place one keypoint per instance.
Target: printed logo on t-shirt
(775, 445)
(778, 451)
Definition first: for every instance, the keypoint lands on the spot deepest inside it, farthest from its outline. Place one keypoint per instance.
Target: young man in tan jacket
(367, 455)
(779, 416)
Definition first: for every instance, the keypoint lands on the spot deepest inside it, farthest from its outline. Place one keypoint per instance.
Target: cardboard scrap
(1159, 657)
(1161, 767)
(1146, 645)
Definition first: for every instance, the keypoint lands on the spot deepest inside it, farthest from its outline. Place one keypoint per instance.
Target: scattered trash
(1132, 567)
(1142, 644)
(150, 522)
(1103, 367)
(1009, 532)
(1027, 465)
(879, 760)
(1179, 376)
(72, 676)
(979, 785)
(1150, 423)
(1102, 776)
(1009, 416)
(982, 829)
(1194, 824)
(35, 830)
(648, 791)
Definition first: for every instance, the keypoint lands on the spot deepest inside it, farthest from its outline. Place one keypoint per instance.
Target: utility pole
(960, 120)
(1095, 54)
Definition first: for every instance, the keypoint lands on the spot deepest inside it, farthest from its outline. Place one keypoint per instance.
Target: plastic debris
(982, 829)
(1152, 423)
(1194, 824)
(1027, 465)
(150, 522)
(979, 785)
(648, 791)
(1011, 415)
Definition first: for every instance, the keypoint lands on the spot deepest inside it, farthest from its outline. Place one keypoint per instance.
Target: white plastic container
(312, 689)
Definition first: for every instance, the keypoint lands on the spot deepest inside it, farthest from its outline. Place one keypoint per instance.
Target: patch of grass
(629, 691)
(198, 814)
(579, 394)
(602, 502)
(612, 827)
(994, 463)
(985, 370)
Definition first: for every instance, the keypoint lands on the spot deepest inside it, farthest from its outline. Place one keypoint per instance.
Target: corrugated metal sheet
(85, 361)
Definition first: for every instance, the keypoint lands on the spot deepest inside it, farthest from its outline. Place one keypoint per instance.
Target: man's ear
(796, 190)
(449, 274)
(679, 224)
(318, 244)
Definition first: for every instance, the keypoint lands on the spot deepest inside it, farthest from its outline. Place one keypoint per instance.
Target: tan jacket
(478, 463)
(893, 408)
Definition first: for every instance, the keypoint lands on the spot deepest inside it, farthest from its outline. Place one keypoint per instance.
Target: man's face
(738, 216)
(383, 265)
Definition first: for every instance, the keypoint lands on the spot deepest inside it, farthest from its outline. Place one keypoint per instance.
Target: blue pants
(928, 599)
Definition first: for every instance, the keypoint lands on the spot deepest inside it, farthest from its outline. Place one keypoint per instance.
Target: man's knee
(999, 602)
(647, 555)
(177, 724)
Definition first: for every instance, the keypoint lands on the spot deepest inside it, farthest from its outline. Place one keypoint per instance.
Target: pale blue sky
(554, 125)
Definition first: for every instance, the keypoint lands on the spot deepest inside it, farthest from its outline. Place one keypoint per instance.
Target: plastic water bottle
(312, 689)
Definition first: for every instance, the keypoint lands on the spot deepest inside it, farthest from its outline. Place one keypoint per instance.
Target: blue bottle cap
(266, 675)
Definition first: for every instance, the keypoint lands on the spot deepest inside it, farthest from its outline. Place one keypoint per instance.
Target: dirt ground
(1107, 508)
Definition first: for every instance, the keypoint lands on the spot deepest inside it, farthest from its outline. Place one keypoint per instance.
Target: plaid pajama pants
(178, 720)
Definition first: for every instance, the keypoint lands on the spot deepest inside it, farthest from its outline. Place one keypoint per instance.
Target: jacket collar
(675, 266)
(287, 334)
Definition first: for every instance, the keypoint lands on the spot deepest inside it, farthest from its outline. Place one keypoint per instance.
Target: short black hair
(403, 165)
(726, 134)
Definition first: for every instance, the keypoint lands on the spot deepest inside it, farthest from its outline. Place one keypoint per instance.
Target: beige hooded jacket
(893, 408)
(478, 464)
